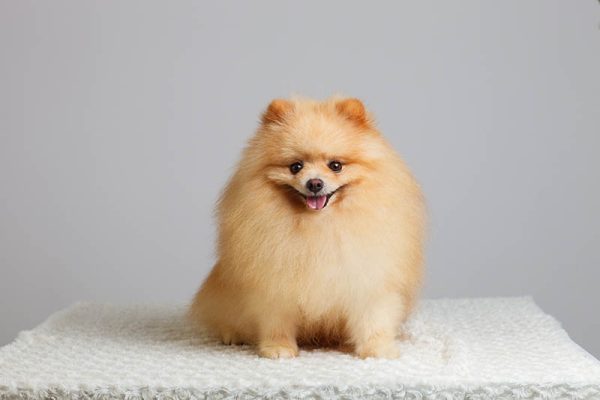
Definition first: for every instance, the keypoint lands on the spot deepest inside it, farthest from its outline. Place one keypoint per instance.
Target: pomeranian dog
(320, 236)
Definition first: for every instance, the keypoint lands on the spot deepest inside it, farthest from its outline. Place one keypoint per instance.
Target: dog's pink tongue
(316, 202)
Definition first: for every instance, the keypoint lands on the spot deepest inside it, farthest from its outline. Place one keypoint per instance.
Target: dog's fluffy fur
(297, 268)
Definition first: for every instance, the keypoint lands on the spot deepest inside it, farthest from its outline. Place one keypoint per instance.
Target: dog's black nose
(314, 185)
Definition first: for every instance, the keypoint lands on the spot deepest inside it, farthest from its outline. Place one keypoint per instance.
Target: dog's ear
(277, 111)
(354, 110)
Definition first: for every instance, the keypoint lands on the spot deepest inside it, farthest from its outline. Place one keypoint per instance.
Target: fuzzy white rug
(494, 348)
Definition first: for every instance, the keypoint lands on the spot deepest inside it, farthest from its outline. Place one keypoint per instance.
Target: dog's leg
(373, 328)
(277, 337)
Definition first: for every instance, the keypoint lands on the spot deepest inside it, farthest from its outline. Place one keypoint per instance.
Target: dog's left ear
(354, 110)
(277, 111)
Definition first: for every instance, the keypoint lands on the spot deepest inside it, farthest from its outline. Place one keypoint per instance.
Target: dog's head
(316, 154)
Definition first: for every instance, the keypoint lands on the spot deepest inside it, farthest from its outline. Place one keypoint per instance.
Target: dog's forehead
(319, 137)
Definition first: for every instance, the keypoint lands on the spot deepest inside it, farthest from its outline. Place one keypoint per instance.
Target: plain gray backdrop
(120, 122)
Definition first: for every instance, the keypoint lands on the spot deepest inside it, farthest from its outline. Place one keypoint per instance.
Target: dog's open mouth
(316, 202)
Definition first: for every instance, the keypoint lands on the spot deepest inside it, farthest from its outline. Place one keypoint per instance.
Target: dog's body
(320, 236)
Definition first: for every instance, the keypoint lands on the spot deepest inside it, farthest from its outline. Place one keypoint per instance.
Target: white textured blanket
(500, 348)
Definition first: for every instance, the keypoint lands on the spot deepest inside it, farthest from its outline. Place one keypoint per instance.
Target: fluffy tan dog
(320, 236)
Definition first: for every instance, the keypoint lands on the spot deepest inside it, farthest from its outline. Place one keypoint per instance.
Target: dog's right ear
(354, 110)
(277, 111)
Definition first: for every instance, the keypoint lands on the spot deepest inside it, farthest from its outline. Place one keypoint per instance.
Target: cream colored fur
(347, 274)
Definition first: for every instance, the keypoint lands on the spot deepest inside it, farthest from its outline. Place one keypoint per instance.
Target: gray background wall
(120, 122)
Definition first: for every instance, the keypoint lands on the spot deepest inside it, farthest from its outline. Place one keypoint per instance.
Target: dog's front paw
(230, 338)
(378, 349)
(278, 350)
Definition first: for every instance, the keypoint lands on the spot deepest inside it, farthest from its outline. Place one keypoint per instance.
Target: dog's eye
(335, 166)
(296, 167)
